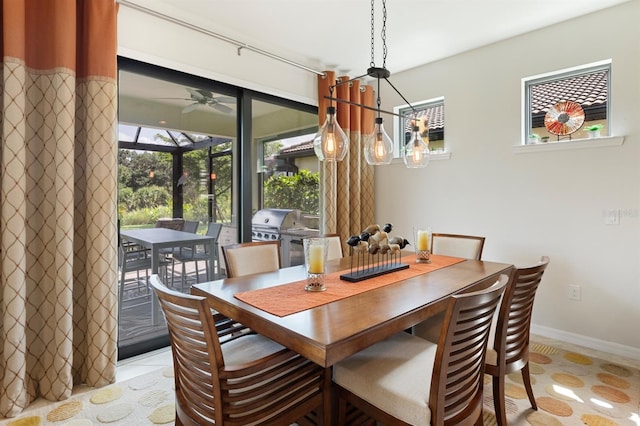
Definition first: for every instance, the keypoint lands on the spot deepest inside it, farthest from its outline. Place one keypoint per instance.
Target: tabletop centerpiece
(375, 253)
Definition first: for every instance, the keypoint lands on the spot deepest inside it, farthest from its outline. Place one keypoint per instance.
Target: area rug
(571, 388)
(144, 400)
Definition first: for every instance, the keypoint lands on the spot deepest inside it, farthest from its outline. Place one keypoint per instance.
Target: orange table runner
(286, 299)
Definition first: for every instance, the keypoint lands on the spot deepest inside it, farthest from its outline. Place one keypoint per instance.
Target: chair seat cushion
(248, 348)
(393, 375)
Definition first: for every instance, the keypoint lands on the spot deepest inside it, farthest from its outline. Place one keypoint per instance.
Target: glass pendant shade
(416, 151)
(331, 142)
(378, 149)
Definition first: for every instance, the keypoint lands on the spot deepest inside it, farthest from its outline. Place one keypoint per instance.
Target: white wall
(541, 203)
(527, 205)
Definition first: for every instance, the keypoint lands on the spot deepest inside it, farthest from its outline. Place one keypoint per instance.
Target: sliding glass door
(194, 149)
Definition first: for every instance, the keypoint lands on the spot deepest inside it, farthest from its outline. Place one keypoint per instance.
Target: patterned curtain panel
(58, 148)
(347, 201)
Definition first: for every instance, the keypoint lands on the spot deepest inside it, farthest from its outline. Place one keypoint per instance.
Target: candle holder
(422, 239)
(315, 258)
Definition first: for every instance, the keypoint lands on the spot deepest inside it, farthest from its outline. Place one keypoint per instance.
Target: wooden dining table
(331, 332)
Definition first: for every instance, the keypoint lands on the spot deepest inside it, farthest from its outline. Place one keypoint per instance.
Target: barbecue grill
(286, 225)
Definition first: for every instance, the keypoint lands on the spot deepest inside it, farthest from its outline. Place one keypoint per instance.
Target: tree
(300, 191)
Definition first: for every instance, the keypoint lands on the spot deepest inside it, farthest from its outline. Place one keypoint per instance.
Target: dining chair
(456, 245)
(408, 380)
(509, 350)
(170, 223)
(335, 246)
(248, 380)
(198, 253)
(134, 258)
(251, 258)
(465, 246)
(190, 226)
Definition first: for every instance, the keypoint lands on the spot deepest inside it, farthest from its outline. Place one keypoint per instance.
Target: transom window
(567, 104)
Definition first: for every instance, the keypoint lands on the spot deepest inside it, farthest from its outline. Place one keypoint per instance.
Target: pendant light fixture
(416, 151)
(331, 142)
(378, 146)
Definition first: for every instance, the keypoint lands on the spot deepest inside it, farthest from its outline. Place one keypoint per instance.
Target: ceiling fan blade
(225, 99)
(190, 108)
(205, 93)
(195, 93)
(220, 107)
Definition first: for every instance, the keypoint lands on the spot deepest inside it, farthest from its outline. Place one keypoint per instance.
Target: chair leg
(183, 278)
(173, 270)
(526, 378)
(498, 400)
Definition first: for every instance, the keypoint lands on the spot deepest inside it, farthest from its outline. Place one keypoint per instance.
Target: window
(588, 86)
(429, 116)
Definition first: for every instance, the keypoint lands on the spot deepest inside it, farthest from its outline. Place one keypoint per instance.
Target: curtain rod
(239, 45)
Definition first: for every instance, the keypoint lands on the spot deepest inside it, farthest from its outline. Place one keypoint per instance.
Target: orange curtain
(58, 174)
(347, 200)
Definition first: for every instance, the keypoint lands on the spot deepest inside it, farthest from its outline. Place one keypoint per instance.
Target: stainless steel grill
(286, 225)
(268, 224)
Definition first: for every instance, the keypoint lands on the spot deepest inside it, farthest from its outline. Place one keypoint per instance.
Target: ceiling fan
(204, 97)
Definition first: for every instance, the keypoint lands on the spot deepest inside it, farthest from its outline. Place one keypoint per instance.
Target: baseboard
(587, 342)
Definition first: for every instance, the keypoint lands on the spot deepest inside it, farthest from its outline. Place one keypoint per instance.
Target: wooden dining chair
(406, 380)
(335, 246)
(465, 246)
(251, 258)
(456, 245)
(509, 351)
(249, 380)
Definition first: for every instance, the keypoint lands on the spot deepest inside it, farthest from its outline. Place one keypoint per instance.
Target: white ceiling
(336, 34)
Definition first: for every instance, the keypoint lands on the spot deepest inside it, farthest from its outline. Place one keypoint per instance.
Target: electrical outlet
(573, 292)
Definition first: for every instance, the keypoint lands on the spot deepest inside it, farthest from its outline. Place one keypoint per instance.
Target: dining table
(156, 239)
(329, 326)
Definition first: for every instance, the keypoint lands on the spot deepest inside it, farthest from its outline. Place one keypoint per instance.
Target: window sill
(432, 157)
(605, 141)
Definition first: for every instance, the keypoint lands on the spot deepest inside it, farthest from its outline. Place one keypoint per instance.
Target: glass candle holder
(422, 239)
(315, 259)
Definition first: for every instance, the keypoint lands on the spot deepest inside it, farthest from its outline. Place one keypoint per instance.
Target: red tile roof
(587, 90)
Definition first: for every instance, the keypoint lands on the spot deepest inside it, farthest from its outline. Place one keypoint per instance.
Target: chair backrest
(466, 246)
(457, 380)
(190, 226)
(197, 355)
(213, 230)
(335, 246)
(266, 383)
(176, 223)
(513, 324)
(251, 258)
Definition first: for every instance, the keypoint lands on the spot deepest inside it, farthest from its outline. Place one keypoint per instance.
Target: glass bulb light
(331, 143)
(416, 151)
(378, 149)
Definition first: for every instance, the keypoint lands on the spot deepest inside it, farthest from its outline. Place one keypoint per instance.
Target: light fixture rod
(238, 44)
(365, 106)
